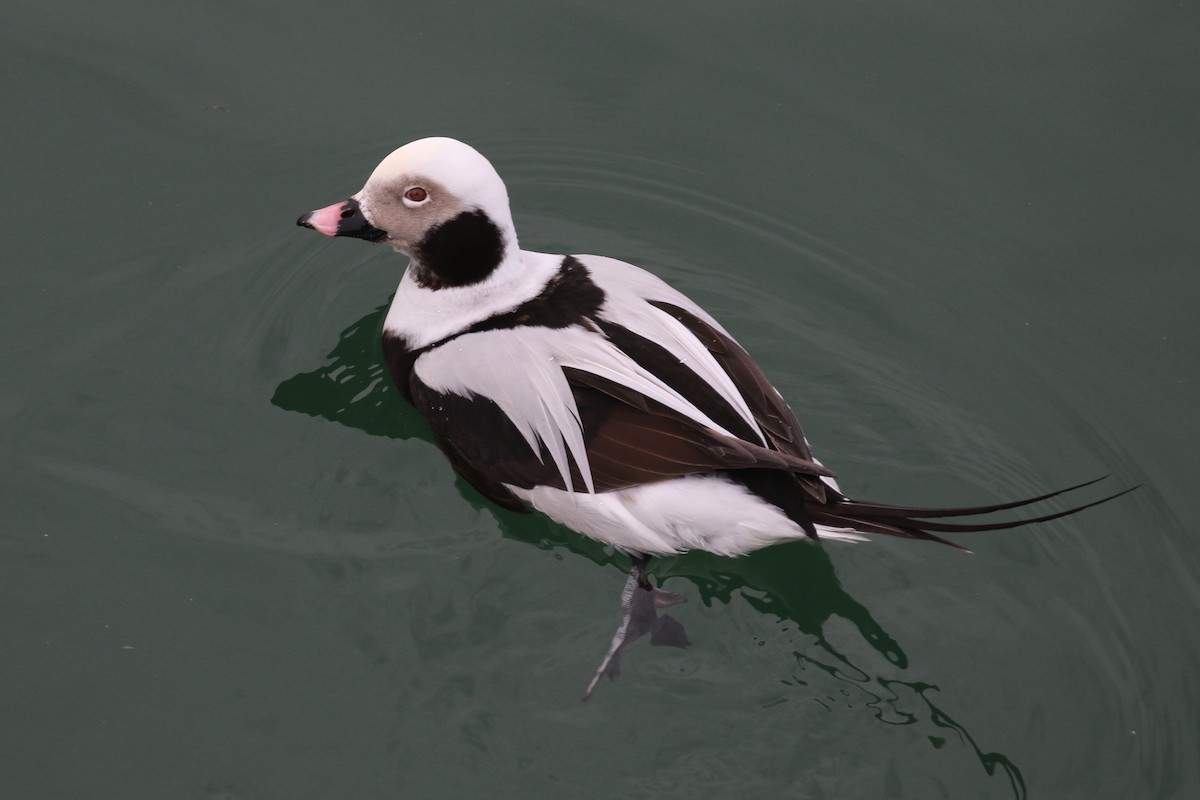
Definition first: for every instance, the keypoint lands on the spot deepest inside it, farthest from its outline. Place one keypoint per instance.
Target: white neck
(422, 316)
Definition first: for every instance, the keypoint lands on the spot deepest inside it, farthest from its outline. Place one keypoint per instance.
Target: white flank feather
(694, 512)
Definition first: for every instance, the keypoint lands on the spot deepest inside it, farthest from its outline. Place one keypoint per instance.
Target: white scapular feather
(627, 290)
(539, 400)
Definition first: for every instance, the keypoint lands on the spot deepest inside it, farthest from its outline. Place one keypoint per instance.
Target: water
(961, 239)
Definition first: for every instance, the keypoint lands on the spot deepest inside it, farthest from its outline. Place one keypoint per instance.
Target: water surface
(960, 238)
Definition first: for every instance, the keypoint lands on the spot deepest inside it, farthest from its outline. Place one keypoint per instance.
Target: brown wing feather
(773, 415)
(632, 440)
(769, 409)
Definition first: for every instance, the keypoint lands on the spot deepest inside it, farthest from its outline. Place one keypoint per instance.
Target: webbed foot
(639, 615)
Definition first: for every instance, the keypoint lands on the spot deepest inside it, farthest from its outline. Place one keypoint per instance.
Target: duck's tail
(918, 523)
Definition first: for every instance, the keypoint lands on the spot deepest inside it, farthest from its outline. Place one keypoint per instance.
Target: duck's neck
(422, 313)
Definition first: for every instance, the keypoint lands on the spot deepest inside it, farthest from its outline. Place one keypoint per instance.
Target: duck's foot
(639, 615)
(639, 568)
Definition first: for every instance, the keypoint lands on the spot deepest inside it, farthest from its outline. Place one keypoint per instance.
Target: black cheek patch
(460, 251)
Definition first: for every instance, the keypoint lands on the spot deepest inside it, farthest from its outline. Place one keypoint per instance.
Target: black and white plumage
(588, 388)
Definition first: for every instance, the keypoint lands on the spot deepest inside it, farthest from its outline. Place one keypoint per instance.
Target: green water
(961, 238)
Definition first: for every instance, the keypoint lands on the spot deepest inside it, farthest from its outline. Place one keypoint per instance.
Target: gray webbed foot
(640, 603)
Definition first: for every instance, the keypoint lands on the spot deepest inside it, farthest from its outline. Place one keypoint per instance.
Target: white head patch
(455, 165)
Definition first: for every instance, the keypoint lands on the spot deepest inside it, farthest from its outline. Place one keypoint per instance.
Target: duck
(589, 390)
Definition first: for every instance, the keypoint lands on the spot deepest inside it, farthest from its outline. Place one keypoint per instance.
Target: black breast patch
(571, 297)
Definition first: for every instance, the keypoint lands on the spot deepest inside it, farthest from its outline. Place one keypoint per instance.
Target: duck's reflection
(795, 583)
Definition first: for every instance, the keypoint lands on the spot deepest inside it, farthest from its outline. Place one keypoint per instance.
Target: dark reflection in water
(794, 582)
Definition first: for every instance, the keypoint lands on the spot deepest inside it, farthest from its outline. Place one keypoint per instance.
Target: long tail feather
(914, 523)
(876, 526)
(872, 509)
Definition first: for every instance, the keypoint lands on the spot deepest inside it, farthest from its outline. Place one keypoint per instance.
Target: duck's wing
(598, 408)
(771, 413)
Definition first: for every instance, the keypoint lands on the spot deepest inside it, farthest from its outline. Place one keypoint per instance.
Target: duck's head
(436, 200)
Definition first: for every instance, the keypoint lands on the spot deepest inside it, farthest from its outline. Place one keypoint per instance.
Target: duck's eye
(415, 196)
